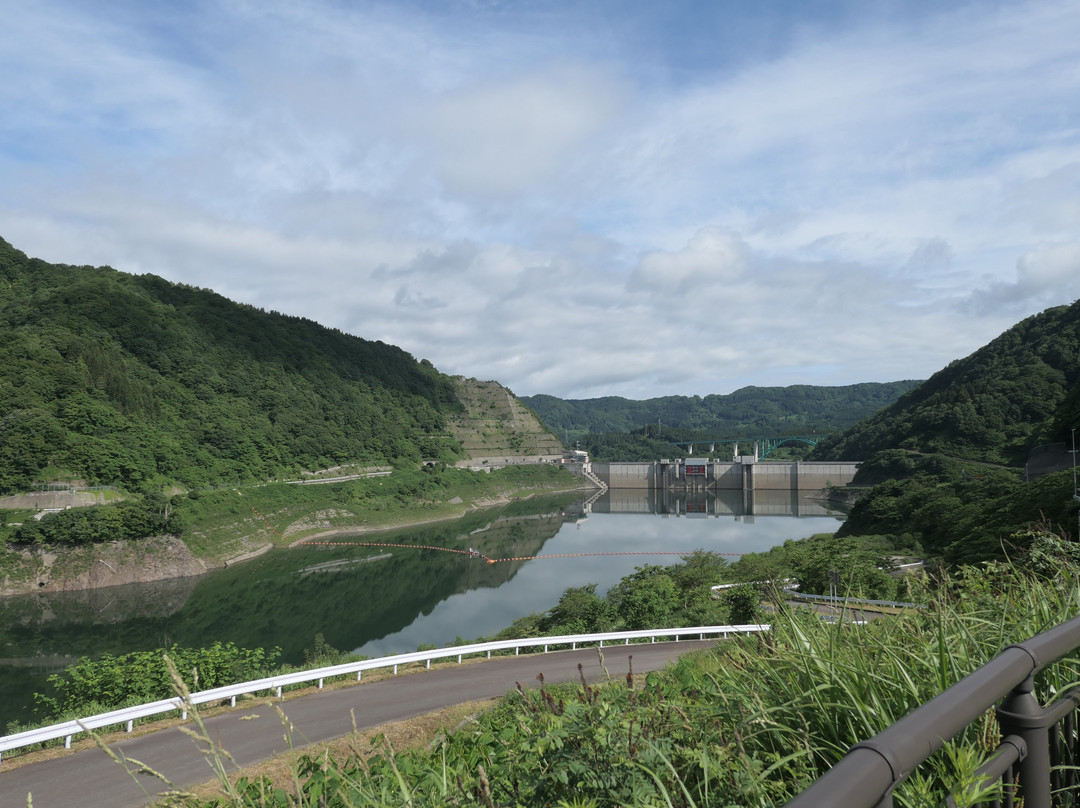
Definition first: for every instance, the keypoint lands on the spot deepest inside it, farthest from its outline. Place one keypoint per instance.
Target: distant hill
(1018, 392)
(134, 381)
(748, 412)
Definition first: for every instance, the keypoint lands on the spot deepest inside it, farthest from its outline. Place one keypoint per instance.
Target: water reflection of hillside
(390, 599)
(350, 594)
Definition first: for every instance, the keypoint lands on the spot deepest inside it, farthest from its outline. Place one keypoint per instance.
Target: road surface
(89, 778)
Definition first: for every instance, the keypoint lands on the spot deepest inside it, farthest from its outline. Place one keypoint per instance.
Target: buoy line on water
(471, 553)
(477, 554)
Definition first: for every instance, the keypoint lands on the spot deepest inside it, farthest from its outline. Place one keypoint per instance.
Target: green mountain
(748, 412)
(1019, 391)
(945, 460)
(134, 381)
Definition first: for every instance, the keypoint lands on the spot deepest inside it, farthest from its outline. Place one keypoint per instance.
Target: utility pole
(1076, 491)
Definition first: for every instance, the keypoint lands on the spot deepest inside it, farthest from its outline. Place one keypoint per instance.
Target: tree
(647, 598)
(579, 611)
(744, 604)
(860, 568)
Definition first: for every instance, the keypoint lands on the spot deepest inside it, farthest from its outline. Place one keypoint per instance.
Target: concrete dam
(742, 474)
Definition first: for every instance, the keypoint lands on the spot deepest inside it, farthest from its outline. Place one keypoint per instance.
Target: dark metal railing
(1036, 760)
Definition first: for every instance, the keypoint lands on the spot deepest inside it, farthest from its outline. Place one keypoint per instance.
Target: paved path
(88, 778)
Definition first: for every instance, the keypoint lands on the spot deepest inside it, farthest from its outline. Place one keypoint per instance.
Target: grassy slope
(749, 724)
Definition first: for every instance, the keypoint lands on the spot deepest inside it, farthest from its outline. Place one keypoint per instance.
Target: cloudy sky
(581, 198)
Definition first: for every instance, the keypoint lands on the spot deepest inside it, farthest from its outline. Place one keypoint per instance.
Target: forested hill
(135, 381)
(1019, 391)
(749, 411)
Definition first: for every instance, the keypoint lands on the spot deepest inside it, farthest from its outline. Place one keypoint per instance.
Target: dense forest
(138, 382)
(748, 412)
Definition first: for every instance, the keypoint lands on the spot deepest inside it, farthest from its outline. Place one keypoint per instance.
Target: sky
(581, 198)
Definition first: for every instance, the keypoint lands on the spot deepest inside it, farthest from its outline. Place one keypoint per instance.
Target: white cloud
(506, 136)
(533, 196)
(1045, 276)
(711, 258)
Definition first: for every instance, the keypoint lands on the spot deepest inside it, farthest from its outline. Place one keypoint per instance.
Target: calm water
(386, 600)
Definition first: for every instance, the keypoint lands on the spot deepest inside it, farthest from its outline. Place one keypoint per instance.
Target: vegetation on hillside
(942, 465)
(1019, 391)
(140, 677)
(960, 517)
(223, 522)
(647, 443)
(282, 514)
(748, 412)
(151, 515)
(656, 443)
(138, 382)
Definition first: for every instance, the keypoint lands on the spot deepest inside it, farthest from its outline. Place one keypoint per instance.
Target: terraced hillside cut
(497, 428)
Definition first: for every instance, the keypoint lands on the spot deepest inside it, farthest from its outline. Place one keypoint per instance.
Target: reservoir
(385, 600)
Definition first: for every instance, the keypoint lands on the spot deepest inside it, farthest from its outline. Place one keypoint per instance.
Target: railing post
(1020, 714)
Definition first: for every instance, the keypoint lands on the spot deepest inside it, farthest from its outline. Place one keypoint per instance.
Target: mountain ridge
(748, 411)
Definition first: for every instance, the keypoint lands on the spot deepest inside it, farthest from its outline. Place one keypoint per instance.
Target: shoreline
(363, 530)
(102, 566)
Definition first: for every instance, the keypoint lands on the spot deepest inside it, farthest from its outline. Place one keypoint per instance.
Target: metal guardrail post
(1021, 714)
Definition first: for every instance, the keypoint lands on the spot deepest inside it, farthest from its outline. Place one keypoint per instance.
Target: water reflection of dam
(744, 505)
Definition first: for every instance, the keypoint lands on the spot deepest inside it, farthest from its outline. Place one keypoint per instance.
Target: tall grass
(750, 724)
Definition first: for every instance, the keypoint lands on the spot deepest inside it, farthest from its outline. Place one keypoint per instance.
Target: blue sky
(583, 199)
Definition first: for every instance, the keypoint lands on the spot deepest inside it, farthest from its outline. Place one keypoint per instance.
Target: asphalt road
(89, 778)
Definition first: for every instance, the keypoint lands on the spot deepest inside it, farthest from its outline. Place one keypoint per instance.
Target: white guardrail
(128, 715)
